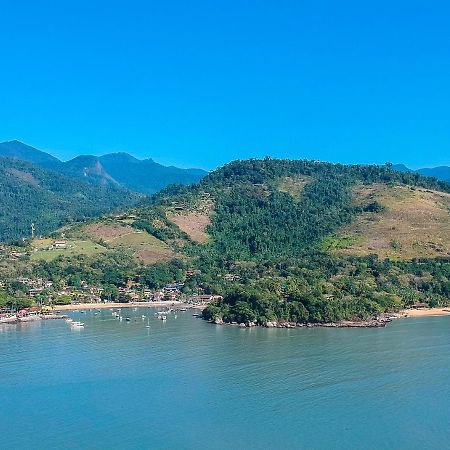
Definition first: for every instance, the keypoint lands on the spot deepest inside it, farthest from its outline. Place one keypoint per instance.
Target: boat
(161, 317)
(69, 320)
(127, 319)
(196, 315)
(77, 324)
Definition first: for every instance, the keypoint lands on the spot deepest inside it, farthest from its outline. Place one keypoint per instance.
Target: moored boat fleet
(73, 323)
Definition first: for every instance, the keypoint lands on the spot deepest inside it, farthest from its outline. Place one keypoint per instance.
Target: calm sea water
(191, 385)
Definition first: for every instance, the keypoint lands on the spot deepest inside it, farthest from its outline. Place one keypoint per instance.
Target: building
(59, 244)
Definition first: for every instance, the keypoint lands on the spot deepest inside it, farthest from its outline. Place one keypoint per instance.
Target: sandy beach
(119, 305)
(426, 312)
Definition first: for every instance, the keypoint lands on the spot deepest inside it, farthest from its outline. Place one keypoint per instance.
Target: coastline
(80, 306)
(426, 312)
(378, 322)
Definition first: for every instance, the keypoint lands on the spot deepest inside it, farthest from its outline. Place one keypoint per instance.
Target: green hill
(280, 245)
(30, 194)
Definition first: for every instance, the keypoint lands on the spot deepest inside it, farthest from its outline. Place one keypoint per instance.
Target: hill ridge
(119, 169)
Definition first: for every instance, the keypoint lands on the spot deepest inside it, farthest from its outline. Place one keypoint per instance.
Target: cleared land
(42, 249)
(193, 224)
(143, 245)
(293, 185)
(415, 223)
(194, 219)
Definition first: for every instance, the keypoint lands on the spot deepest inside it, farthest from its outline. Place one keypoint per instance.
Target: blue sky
(199, 83)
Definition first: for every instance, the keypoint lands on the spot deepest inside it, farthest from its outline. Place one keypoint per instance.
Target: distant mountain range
(119, 170)
(441, 173)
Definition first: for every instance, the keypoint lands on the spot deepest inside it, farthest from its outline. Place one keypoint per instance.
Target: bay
(188, 384)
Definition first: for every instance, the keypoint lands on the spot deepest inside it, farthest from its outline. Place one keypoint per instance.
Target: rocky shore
(376, 322)
(32, 318)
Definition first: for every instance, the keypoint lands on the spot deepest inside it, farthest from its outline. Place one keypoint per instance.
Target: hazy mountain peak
(113, 169)
(24, 152)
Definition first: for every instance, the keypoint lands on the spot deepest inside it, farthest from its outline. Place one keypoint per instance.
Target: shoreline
(81, 306)
(379, 322)
(425, 312)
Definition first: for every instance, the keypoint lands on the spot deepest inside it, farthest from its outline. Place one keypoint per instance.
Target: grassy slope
(414, 224)
(143, 245)
(74, 247)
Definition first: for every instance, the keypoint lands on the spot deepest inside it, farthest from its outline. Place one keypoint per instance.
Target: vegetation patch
(293, 185)
(193, 224)
(140, 243)
(413, 223)
(43, 249)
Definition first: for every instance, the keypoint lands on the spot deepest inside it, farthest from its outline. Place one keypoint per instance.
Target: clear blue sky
(198, 83)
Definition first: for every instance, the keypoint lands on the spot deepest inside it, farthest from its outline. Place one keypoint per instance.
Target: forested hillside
(274, 227)
(30, 194)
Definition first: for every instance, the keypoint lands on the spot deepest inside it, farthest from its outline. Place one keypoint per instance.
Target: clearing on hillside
(142, 244)
(415, 223)
(43, 249)
(293, 185)
(193, 219)
(193, 224)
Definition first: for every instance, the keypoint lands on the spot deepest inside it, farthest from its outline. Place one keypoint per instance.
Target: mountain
(146, 175)
(441, 173)
(19, 150)
(32, 194)
(119, 170)
(89, 169)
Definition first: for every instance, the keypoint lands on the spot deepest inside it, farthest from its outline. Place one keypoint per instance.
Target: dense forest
(30, 194)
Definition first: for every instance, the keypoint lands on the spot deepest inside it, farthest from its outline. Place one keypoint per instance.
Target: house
(35, 291)
(420, 306)
(59, 244)
(16, 255)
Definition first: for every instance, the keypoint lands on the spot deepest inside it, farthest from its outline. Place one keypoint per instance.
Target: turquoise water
(188, 384)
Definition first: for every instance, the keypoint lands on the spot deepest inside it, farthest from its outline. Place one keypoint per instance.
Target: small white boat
(77, 324)
(69, 320)
(162, 317)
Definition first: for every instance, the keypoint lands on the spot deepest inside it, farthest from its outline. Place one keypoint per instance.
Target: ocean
(187, 384)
